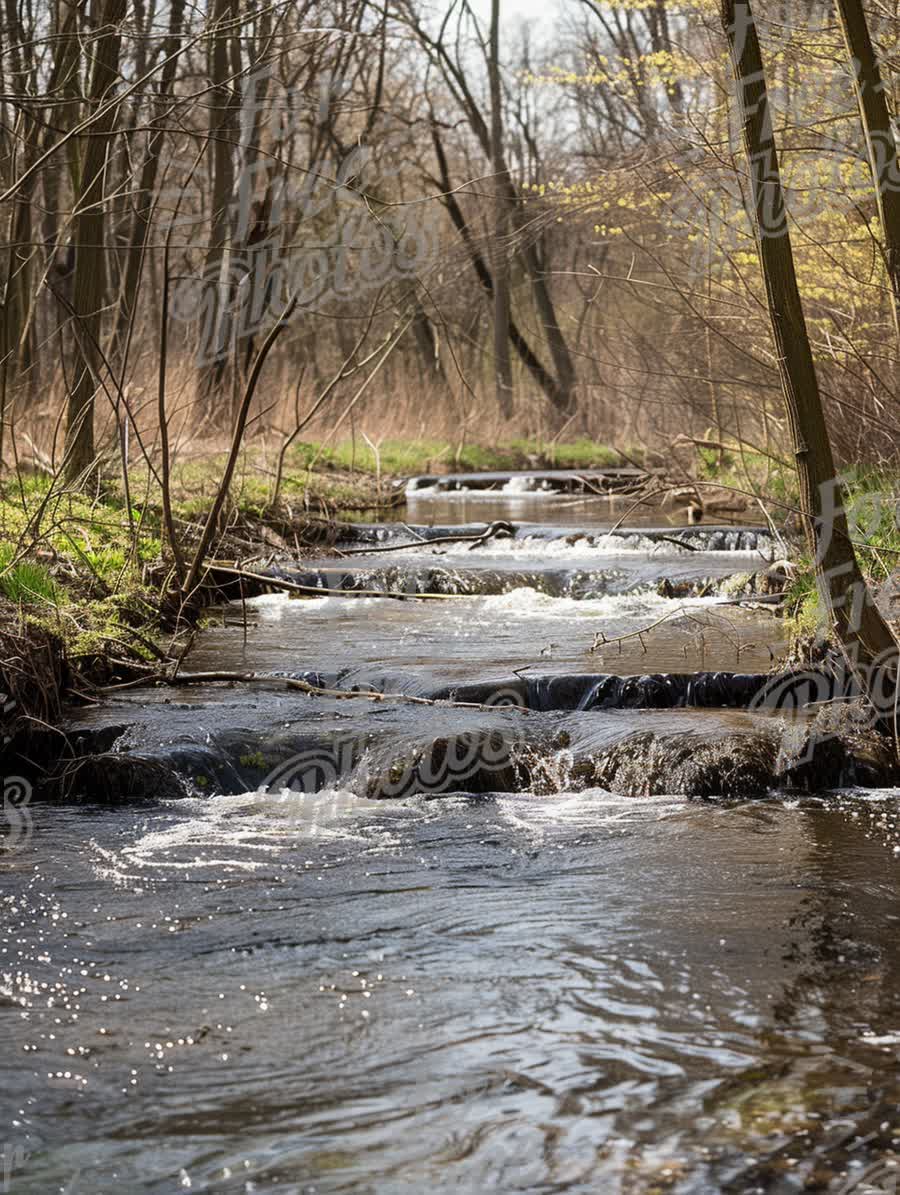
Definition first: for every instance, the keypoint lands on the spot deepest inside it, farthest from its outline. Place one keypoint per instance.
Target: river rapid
(296, 988)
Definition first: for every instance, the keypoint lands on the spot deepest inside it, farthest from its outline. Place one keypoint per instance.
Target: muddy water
(311, 992)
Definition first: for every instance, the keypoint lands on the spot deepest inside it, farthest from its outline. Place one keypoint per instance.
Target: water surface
(563, 993)
(312, 992)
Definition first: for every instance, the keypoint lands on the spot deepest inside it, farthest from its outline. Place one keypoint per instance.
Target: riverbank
(83, 578)
(89, 569)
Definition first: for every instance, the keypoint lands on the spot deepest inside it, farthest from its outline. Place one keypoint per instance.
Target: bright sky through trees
(532, 10)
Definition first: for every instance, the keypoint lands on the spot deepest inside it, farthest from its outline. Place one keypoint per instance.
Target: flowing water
(539, 990)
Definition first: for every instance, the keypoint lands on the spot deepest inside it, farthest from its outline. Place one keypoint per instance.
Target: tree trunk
(89, 284)
(502, 361)
(224, 105)
(427, 345)
(863, 635)
(17, 298)
(143, 200)
(879, 132)
(527, 356)
(564, 402)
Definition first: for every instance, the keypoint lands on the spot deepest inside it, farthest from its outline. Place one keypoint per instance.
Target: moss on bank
(88, 570)
(405, 457)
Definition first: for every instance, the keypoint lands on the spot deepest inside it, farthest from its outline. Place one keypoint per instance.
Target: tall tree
(542, 376)
(867, 643)
(562, 393)
(89, 282)
(16, 338)
(502, 360)
(224, 108)
(142, 201)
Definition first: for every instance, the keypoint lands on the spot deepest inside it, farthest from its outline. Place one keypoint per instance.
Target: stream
(462, 986)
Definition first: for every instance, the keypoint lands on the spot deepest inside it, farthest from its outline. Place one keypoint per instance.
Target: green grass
(95, 533)
(85, 571)
(26, 581)
(86, 583)
(749, 470)
(802, 607)
(872, 502)
(871, 499)
(400, 458)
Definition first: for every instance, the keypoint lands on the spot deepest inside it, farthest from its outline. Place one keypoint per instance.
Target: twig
(319, 591)
(302, 686)
(498, 528)
(373, 695)
(600, 640)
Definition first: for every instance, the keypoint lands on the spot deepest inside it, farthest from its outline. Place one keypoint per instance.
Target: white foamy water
(259, 831)
(272, 607)
(534, 547)
(516, 487)
(242, 832)
(524, 602)
(531, 603)
(590, 808)
(568, 548)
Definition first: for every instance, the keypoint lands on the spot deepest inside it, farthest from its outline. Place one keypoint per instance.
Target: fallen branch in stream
(178, 679)
(661, 539)
(373, 695)
(501, 527)
(321, 590)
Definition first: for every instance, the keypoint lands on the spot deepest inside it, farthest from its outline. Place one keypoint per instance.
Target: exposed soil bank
(34, 678)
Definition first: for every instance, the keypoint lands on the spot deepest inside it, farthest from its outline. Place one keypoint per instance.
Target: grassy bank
(92, 566)
(400, 458)
(89, 571)
(872, 502)
(83, 576)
